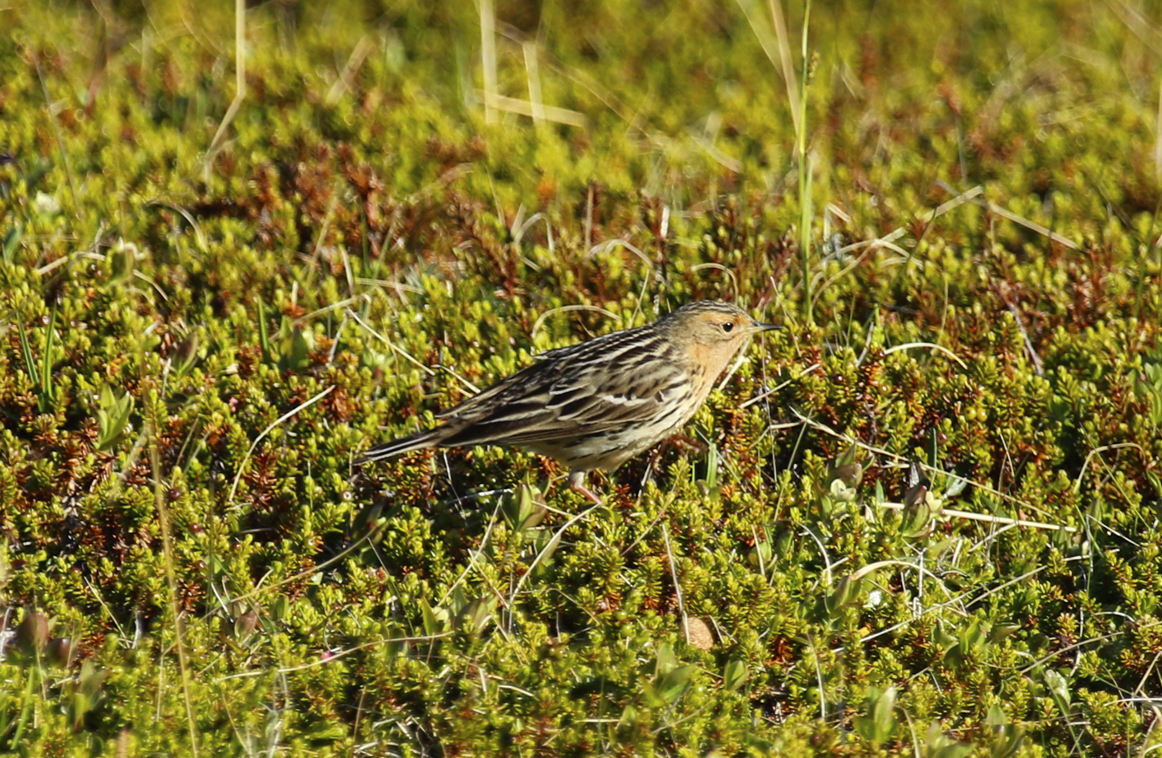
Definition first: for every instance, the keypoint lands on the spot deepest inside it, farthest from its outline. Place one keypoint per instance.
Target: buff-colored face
(718, 326)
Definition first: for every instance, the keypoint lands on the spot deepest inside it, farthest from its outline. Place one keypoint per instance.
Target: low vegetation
(925, 522)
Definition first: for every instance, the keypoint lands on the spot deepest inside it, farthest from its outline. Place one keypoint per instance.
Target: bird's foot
(684, 442)
(577, 484)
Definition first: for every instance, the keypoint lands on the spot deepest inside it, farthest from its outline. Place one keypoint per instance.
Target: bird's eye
(728, 326)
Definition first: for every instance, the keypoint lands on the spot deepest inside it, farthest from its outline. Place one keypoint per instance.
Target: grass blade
(263, 334)
(29, 364)
(46, 393)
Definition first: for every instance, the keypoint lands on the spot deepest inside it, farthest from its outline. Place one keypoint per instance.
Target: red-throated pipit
(597, 404)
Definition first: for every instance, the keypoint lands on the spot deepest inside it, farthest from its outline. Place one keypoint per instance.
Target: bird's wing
(619, 397)
(543, 372)
(526, 376)
(596, 386)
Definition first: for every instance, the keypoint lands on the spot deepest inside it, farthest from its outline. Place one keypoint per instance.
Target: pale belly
(608, 449)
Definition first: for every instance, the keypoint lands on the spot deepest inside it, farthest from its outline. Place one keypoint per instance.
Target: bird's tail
(417, 441)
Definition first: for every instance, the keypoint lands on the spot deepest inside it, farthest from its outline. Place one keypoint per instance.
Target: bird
(596, 404)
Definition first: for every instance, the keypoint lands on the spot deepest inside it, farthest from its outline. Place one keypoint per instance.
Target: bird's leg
(685, 442)
(577, 484)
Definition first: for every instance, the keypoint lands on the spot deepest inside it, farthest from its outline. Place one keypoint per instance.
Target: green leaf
(958, 485)
(846, 470)
(878, 722)
(112, 417)
(734, 675)
(1006, 738)
(939, 745)
(522, 509)
(847, 592)
(122, 261)
(668, 687)
(920, 507)
(435, 619)
(26, 348)
(46, 393)
(87, 693)
(477, 614)
(298, 351)
(711, 466)
(263, 333)
(1058, 690)
(12, 241)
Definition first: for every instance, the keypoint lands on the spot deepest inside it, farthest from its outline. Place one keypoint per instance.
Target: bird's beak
(758, 326)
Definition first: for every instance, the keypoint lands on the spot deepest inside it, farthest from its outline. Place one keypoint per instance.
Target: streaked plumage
(596, 404)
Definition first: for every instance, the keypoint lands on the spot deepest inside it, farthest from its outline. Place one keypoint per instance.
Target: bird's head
(714, 323)
(714, 331)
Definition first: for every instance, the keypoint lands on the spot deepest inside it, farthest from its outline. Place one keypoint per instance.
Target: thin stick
(1098, 451)
(317, 568)
(895, 456)
(677, 584)
(488, 59)
(199, 237)
(355, 61)
(955, 202)
(60, 142)
(1076, 645)
(541, 320)
(1158, 138)
(869, 568)
(476, 554)
(778, 51)
(337, 655)
(785, 59)
(268, 430)
(520, 107)
(718, 266)
(933, 346)
(532, 72)
(239, 82)
(759, 398)
(1031, 225)
(589, 218)
(550, 546)
(171, 580)
(431, 372)
(805, 210)
(947, 513)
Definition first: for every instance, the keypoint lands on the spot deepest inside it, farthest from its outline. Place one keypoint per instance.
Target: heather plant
(239, 246)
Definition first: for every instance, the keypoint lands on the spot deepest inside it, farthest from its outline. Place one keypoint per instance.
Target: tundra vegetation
(925, 521)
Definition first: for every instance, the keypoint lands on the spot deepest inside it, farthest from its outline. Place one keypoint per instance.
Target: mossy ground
(194, 348)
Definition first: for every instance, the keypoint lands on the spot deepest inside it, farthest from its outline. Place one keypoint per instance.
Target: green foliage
(925, 519)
